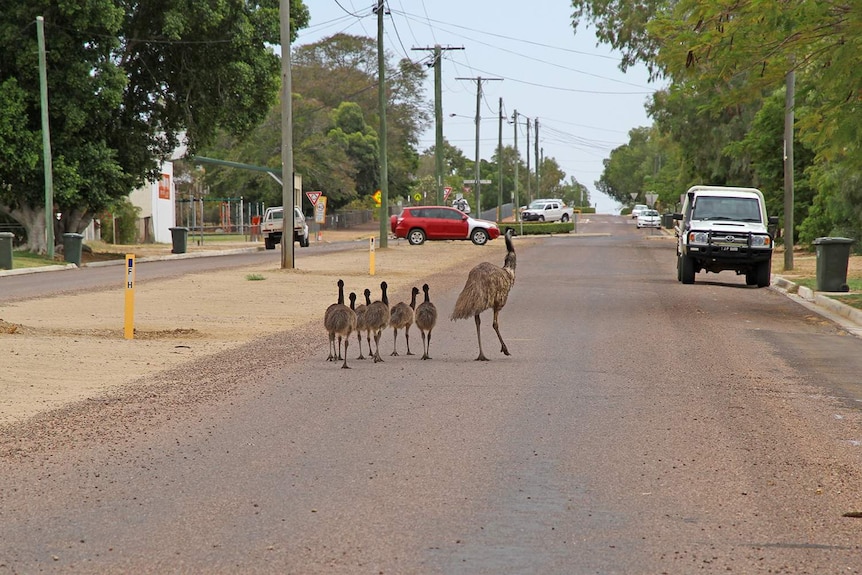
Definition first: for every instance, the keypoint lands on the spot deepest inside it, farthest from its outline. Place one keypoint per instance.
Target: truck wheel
(686, 269)
(751, 277)
(416, 237)
(764, 273)
(268, 243)
(541, 218)
(479, 236)
(565, 218)
(303, 241)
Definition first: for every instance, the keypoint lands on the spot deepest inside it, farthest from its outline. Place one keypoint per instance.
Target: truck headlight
(698, 238)
(760, 241)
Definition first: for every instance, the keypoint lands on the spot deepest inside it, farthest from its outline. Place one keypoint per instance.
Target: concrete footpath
(848, 317)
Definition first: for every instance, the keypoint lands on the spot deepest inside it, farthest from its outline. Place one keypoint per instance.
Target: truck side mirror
(677, 217)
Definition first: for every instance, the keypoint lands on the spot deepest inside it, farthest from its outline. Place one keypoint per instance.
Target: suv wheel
(479, 236)
(686, 269)
(416, 237)
(764, 271)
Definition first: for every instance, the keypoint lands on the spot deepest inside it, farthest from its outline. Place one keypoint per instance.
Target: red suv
(420, 223)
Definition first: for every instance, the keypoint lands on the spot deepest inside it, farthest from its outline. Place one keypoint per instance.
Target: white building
(156, 201)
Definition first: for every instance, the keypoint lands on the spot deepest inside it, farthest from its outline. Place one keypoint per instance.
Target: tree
(126, 83)
(341, 69)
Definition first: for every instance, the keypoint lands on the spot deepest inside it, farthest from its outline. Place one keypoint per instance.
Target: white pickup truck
(272, 225)
(723, 228)
(547, 211)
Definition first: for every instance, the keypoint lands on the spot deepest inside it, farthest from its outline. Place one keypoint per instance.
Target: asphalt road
(100, 276)
(639, 426)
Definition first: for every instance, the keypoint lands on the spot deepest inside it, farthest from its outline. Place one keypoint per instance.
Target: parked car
(420, 223)
(547, 210)
(636, 211)
(649, 219)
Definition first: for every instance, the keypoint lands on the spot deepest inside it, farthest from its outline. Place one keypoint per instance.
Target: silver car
(649, 219)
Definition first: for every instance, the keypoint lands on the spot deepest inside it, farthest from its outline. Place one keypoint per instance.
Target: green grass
(254, 277)
(855, 284)
(21, 260)
(853, 300)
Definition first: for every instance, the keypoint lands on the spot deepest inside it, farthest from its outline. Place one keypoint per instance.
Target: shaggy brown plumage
(377, 319)
(360, 323)
(487, 287)
(401, 317)
(340, 320)
(426, 319)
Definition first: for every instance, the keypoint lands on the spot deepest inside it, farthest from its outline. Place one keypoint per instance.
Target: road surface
(639, 426)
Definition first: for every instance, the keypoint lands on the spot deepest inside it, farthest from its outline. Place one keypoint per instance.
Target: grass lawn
(804, 273)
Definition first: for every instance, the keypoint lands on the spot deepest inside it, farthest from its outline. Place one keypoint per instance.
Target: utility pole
(287, 184)
(529, 175)
(789, 103)
(477, 181)
(517, 161)
(538, 166)
(500, 162)
(438, 116)
(381, 104)
(46, 139)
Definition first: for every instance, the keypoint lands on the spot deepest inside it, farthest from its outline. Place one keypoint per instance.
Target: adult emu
(487, 287)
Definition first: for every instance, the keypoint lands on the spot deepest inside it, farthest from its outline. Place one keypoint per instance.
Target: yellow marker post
(371, 257)
(129, 329)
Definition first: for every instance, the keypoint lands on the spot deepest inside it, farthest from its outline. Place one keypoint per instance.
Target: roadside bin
(833, 255)
(667, 221)
(180, 238)
(72, 244)
(6, 250)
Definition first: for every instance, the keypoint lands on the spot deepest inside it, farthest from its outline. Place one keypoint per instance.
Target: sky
(584, 104)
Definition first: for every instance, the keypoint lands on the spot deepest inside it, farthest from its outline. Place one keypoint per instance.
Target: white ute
(547, 211)
(724, 228)
(272, 225)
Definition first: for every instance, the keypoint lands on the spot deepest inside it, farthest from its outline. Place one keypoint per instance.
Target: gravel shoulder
(69, 349)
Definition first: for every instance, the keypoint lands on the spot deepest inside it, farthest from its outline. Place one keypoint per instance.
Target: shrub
(537, 228)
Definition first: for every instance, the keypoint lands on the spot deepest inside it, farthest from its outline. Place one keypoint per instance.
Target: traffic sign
(320, 210)
(313, 197)
(446, 191)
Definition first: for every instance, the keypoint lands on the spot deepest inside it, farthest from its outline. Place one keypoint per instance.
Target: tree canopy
(725, 64)
(127, 83)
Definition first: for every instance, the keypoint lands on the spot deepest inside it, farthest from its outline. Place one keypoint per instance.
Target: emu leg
(394, 341)
(426, 347)
(479, 335)
(377, 358)
(407, 337)
(346, 343)
(332, 354)
(503, 347)
(359, 340)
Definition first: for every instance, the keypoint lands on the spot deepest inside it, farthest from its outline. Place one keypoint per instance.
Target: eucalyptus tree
(128, 82)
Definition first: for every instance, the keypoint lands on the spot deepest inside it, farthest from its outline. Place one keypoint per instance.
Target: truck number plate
(729, 249)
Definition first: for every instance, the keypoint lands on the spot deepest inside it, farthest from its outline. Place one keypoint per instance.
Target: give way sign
(313, 197)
